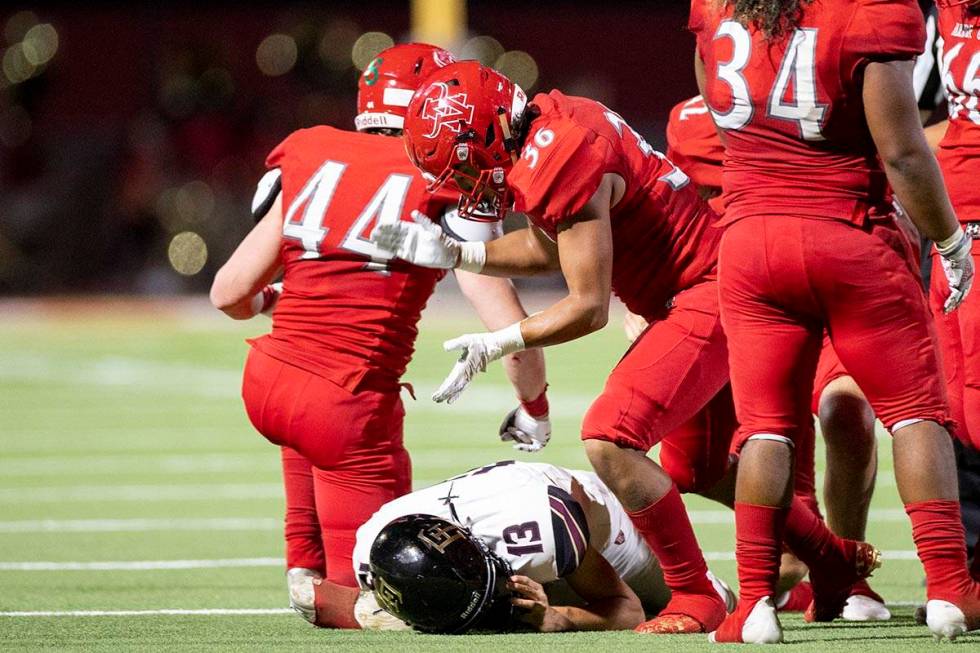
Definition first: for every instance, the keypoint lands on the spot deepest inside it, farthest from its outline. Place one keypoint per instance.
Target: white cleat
(299, 583)
(945, 620)
(724, 591)
(865, 608)
(760, 627)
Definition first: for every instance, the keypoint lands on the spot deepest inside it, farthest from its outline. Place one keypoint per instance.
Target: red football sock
(975, 567)
(334, 605)
(810, 539)
(304, 548)
(758, 544)
(940, 543)
(666, 529)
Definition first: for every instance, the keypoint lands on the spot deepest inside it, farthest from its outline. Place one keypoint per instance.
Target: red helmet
(385, 88)
(459, 128)
(949, 4)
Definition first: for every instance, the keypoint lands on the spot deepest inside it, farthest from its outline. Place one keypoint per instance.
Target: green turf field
(123, 442)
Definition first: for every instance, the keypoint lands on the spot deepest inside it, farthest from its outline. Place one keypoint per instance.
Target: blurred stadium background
(136, 502)
(131, 136)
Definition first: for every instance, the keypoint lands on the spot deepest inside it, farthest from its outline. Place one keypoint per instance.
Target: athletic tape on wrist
(472, 256)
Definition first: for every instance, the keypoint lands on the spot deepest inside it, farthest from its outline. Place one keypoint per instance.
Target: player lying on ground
(613, 215)
(324, 384)
(507, 544)
(810, 245)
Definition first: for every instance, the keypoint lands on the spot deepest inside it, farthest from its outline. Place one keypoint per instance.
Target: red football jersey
(693, 142)
(959, 151)
(797, 140)
(347, 310)
(663, 235)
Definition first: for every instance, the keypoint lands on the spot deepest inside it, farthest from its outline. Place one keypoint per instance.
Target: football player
(613, 215)
(324, 384)
(564, 552)
(959, 160)
(817, 106)
(846, 418)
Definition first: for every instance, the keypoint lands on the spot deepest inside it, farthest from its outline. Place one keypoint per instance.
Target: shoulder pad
(470, 230)
(266, 192)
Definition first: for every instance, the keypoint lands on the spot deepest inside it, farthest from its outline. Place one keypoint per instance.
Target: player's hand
(529, 433)
(421, 242)
(530, 600)
(634, 325)
(477, 350)
(957, 262)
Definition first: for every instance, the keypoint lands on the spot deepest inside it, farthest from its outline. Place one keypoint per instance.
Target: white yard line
(208, 612)
(886, 556)
(139, 525)
(143, 565)
(142, 493)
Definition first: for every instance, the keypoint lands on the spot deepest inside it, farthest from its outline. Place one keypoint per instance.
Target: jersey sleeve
(571, 530)
(886, 30)
(563, 178)
(696, 21)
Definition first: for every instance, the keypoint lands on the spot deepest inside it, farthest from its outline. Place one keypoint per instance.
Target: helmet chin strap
(508, 137)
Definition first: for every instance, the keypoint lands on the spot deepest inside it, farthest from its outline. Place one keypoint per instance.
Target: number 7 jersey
(792, 110)
(347, 310)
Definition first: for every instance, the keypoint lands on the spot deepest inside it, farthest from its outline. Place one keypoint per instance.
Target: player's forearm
(918, 185)
(617, 613)
(571, 318)
(495, 300)
(518, 254)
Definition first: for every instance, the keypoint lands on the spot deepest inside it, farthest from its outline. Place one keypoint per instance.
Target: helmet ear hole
(418, 66)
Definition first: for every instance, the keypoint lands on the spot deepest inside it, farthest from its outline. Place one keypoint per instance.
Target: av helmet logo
(445, 110)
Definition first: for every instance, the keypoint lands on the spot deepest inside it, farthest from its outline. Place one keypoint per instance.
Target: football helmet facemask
(460, 129)
(437, 577)
(386, 85)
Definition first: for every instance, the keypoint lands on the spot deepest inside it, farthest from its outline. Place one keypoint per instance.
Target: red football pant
(670, 373)
(959, 345)
(352, 441)
(782, 279)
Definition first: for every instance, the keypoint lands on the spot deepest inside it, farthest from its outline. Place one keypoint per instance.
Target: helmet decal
(440, 536)
(371, 72)
(388, 597)
(446, 110)
(443, 57)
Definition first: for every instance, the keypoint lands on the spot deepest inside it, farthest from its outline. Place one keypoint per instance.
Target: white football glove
(529, 433)
(957, 262)
(477, 350)
(422, 242)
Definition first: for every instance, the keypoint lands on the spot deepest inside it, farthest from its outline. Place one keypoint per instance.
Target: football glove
(529, 433)
(477, 350)
(957, 262)
(422, 242)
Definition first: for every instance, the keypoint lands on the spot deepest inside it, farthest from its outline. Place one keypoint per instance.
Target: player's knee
(846, 417)
(603, 456)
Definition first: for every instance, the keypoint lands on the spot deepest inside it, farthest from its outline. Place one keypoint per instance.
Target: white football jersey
(538, 517)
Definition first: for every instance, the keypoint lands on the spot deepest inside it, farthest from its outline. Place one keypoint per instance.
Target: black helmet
(437, 577)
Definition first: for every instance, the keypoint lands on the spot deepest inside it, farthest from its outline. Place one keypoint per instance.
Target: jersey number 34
(797, 75)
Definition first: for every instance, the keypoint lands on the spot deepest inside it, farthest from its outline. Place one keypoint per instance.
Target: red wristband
(537, 407)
